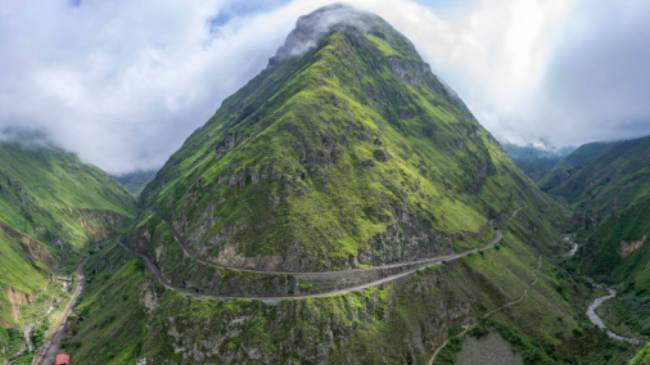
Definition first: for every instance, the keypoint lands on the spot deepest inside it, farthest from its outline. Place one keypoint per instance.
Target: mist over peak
(25, 138)
(312, 27)
(125, 91)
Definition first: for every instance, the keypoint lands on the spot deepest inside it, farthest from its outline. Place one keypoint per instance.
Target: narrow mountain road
(467, 328)
(598, 322)
(420, 264)
(46, 353)
(322, 274)
(273, 299)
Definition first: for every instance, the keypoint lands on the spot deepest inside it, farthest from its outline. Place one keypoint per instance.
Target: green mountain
(609, 183)
(281, 232)
(351, 154)
(570, 177)
(51, 206)
(534, 161)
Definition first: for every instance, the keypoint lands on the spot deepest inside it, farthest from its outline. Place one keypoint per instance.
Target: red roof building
(62, 359)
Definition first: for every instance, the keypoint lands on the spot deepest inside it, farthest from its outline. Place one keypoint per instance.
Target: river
(596, 320)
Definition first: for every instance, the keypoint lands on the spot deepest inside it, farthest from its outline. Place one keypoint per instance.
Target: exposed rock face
(411, 72)
(17, 299)
(626, 248)
(314, 334)
(405, 241)
(229, 142)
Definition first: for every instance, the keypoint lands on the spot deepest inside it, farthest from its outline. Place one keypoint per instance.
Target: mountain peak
(311, 28)
(352, 153)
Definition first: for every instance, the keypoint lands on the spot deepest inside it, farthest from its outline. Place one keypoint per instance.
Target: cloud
(123, 83)
(598, 82)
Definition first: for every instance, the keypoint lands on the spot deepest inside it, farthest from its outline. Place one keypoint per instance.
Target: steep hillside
(397, 323)
(571, 177)
(343, 207)
(51, 206)
(610, 185)
(350, 154)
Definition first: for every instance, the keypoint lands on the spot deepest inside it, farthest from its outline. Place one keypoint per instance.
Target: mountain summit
(346, 151)
(314, 27)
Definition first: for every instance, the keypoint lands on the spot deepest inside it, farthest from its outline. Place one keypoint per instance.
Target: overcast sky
(123, 82)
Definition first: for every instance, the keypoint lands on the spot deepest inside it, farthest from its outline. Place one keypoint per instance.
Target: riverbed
(598, 322)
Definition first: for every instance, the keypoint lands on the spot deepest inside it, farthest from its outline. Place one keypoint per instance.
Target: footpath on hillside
(487, 315)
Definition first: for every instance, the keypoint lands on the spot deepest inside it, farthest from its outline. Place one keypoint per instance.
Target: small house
(62, 359)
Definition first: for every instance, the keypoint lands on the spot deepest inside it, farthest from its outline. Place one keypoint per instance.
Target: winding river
(596, 320)
(574, 246)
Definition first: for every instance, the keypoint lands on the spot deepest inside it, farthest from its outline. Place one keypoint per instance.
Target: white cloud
(494, 53)
(123, 83)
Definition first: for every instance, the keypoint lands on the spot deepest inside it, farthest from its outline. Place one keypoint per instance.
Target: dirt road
(46, 353)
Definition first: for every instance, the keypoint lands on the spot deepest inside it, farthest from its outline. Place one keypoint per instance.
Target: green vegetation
(322, 159)
(51, 206)
(350, 154)
(609, 186)
(113, 311)
(643, 357)
(129, 317)
(328, 157)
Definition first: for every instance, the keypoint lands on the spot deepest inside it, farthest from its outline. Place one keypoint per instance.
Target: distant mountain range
(136, 181)
(609, 185)
(535, 161)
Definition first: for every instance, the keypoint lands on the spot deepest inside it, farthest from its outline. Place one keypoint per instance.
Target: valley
(51, 345)
(342, 207)
(54, 207)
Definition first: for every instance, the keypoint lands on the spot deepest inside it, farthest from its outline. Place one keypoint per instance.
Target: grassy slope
(285, 113)
(51, 205)
(305, 176)
(610, 185)
(643, 357)
(129, 317)
(283, 121)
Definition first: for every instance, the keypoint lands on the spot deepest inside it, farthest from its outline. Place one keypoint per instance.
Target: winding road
(423, 264)
(420, 264)
(322, 274)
